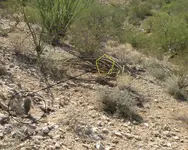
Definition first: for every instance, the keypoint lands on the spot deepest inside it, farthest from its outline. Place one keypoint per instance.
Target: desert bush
(138, 11)
(124, 80)
(86, 43)
(169, 33)
(10, 5)
(177, 86)
(119, 102)
(176, 7)
(157, 69)
(95, 26)
(54, 69)
(133, 36)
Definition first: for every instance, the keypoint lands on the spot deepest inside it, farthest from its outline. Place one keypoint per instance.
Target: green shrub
(133, 36)
(96, 25)
(168, 33)
(138, 11)
(176, 7)
(58, 15)
(85, 43)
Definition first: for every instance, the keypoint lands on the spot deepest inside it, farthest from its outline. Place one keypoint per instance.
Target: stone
(8, 128)
(137, 138)
(4, 119)
(118, 134)
(86, 146)
(43, 131)
(146, 124)
(128, 136)
(1, 135)
(105, 131)
(37, 137)
(176, 138)
(99, 146)
(167, 144)
(57, 146)
(88, 131)
(18, 135)
(12, 66)
(109, 148)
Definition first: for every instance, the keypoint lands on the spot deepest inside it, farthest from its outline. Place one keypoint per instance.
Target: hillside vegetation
(93, 74)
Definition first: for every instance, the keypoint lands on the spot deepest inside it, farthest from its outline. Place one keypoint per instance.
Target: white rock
(168, 144)
(99, 146)
(146, 124)
(118, 134)
(109, 148)
(176, 138)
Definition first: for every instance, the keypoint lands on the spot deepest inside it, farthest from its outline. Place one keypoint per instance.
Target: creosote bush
(120, 102)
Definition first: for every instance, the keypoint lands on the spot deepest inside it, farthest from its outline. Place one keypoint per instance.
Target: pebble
(43, 131)
(146, 124)
(99, 146)
(4, 119)
(168, 144)
(1, 135)
(18, 135)
(118, 134)
(105, 131)
(37, 137)
(176, 138)
(8, 128)
(109, 148)
(57, 146)
(128, 136)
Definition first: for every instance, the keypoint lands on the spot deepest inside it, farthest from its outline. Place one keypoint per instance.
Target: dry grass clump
(124, 80)
(157, 69)
(177, 86)
(54, 69)
(120, 103)
(125, 53)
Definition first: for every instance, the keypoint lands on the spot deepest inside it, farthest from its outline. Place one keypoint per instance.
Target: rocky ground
(74, 120)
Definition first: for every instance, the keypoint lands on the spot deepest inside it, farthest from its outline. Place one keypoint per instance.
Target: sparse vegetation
(177, 86)
(84, 72)
(120, 102)
(157, 69)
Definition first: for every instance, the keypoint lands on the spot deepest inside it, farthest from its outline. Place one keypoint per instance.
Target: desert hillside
(100, 77)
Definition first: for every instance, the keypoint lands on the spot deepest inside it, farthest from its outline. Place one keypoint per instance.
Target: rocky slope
(75, 120)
